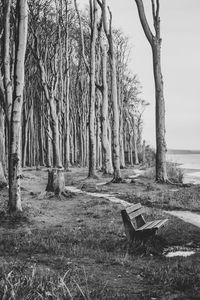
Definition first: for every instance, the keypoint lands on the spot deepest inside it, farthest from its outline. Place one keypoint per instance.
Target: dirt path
(98, 195)
(186, 216)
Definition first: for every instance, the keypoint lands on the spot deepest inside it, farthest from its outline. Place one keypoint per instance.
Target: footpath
(186, 216)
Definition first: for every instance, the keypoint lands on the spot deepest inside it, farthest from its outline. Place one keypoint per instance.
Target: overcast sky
(180, 31)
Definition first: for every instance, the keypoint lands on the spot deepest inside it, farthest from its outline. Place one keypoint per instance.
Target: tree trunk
(3, 181)
(7, 67)
(121, 139)
(161, 170)
(135, 143)
(26, 125)
(67, 125)
(72, 142)
(107, 158)
(15, 130)
(48, 145)
(40, 136)
(155, 42)
(66, 96)
(115, 106)
(92, 139)
(55, 135)
(143, 153)
(131, 149)
(115, 124)
(56, 181)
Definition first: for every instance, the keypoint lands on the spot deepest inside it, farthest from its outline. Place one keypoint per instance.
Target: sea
(189, 162)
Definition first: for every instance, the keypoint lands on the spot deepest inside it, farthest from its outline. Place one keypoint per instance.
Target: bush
(150, 156)
(175, 174)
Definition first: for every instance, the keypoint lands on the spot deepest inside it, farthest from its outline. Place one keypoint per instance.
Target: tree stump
(56, 181)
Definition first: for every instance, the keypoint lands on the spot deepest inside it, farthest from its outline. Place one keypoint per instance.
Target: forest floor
(74, 247)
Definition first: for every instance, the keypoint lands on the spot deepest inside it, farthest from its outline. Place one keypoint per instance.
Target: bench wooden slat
(153, 224)
(149, 225)
(144, 226)
(136, 213)
(134, 207)
(162, 223)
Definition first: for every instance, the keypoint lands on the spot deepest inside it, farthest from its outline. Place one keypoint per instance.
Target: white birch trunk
(115, 106)
(67, 125)
(3, 181)
(17, 102)
(92, 139)
(107, 158)
(7, 65)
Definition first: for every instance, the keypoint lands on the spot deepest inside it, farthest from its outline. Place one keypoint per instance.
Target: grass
(88, 256)
(165, 197)
(182, 275)
(73, 262)
(13, 220)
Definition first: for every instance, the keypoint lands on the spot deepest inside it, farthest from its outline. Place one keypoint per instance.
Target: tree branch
(100, 3)
(144, 22)
(153, 9)
(104, 18)
(157, 9)
(82, 38)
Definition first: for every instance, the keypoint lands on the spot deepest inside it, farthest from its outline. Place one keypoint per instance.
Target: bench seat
(152, 224)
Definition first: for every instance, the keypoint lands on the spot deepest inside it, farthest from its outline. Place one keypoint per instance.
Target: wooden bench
(135, 225)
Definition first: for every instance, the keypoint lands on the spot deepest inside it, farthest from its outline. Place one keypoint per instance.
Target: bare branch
(82, 38)
(144, 21)
(153, 10)
(100, 3)
(99, 87)
(157, 8)
(105, 25)
(91, 15)
(110, 22)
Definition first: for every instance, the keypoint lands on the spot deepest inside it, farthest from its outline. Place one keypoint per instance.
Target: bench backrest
(135, 214)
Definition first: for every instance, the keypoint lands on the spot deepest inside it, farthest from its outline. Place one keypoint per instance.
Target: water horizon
(189, 162)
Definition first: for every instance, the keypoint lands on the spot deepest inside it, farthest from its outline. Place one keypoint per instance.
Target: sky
(180, 32)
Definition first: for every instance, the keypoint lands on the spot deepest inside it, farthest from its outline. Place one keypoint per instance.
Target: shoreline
(191, 175)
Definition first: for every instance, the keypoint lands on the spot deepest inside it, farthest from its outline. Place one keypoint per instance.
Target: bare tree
(17, 102)
(92, 144)
(115, 106)
(106, 146)
(155, 42)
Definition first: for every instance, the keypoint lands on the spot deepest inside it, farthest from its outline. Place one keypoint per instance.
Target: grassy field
(75, 247)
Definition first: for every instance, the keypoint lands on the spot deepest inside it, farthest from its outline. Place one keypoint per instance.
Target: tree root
(117, 180)
(178, 184)
(92, 177)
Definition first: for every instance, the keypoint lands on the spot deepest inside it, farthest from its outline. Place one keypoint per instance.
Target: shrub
(175, 174)
(150, 156)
